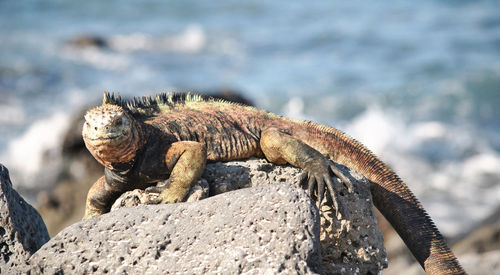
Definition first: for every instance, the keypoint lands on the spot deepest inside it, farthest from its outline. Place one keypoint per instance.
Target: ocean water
(418, 83)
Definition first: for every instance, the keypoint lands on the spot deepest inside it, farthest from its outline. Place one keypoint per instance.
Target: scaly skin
(171, 137)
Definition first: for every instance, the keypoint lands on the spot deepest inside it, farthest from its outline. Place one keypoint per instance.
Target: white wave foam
(483, 164)
(294, 108)
(34, 157)
(97, 58)
(133, 42)
(428, 130)
(375, 129)
(191, 40)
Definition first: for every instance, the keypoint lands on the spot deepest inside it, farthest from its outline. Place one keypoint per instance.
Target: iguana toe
(324, 176)
(345, 180)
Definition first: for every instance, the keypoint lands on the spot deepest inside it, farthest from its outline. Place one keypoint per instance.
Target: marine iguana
(172, 136)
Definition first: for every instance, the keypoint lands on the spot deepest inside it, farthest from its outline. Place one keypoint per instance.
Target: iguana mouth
(105, 138)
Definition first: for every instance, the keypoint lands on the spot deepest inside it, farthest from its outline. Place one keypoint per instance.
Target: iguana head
(111, 134)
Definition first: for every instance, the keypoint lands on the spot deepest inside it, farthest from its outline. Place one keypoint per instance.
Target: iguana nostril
(95, 128)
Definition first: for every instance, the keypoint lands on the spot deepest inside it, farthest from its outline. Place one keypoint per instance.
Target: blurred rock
(483, 238)
(487, 263)
(88, 41)
(22, 231)
(479, 249)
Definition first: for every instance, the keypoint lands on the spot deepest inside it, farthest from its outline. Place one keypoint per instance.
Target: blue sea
(417, 82)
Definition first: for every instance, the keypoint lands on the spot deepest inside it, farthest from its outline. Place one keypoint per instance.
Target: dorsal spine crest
(109, 98)
(148, 105)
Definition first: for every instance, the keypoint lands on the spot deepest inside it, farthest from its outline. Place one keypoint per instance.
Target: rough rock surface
(264, 230)
(22, 231)
(350, 245)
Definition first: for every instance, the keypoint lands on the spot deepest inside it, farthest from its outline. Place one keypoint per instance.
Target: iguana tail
(390, 194)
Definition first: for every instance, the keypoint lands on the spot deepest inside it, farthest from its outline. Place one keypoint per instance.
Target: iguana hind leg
(186, 160)
(281, 148)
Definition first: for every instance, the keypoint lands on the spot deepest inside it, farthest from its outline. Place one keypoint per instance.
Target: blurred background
(418, 83)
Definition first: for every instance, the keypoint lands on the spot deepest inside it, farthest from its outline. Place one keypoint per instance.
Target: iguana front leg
(281, 148)
(100, 198)
(186, 160)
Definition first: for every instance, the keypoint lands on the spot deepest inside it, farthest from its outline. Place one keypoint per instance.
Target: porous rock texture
(350, 243)
(271, 228)
(22, 231)
(264, 230)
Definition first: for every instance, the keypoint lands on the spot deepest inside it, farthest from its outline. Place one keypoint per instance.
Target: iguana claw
(161, 189)
(323, 173)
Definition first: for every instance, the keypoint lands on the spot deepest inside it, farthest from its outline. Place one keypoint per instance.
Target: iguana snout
(106, 124)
